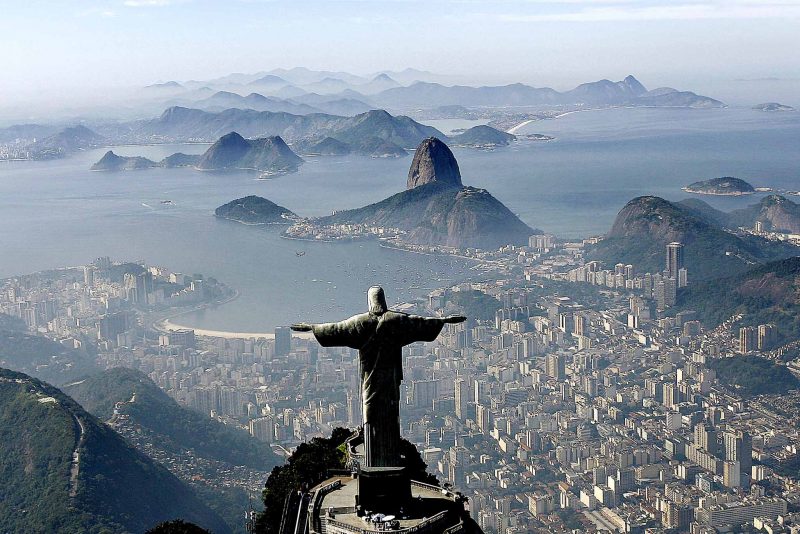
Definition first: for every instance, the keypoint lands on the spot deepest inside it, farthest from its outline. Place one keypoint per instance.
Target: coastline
(713, 194)
(168, 326)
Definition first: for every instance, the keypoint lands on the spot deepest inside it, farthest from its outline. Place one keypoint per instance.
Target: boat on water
(167, 202)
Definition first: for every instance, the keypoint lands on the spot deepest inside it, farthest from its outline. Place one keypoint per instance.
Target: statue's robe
(379, 340)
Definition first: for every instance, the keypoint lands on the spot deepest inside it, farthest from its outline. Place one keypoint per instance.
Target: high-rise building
(683, 277)
(705, 437)
(144, 286)
(666, 292)
(580, 321)
(461, 394)
(112, 324)
(556, 366)
(283, 340)
(747, 339)
(739, 449)
(674, 259)
(766, 336)
(88, 275)
(263, 429)
(483, 417)
(423, 392)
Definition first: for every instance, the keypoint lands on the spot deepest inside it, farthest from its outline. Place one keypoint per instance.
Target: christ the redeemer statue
(379, 335)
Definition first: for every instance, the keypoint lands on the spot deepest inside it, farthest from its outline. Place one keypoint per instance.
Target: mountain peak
(232, 138)
(633, 85)
(433, 162)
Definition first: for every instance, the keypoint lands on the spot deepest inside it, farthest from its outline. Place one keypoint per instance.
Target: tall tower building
(461, 391)
(766, 336)
(674, 259)
(747, 339)
(683, 277)
(556, 367)
(283, 341)
(88, 275)
(739, 449)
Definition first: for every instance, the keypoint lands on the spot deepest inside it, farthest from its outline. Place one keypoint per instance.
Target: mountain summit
(646, 224)
(436, 209)
(433, 162)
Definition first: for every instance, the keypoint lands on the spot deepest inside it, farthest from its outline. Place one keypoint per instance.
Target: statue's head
(376, 300)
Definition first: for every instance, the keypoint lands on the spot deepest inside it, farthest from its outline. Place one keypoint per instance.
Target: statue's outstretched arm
(429, 328)
(352, 332)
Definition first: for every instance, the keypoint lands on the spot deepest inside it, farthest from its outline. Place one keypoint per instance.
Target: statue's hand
(302, 327)
(455, 319)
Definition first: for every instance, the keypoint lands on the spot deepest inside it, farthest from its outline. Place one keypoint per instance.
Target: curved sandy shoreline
(168, 326)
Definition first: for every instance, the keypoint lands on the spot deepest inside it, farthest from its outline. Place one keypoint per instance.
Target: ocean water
(59, 213)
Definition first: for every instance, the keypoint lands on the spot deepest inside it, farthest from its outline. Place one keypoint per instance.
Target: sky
(54, 49)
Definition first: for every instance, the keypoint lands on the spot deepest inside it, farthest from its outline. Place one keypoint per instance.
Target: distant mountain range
(646, 224)
(64, 471)
(222, 100)
(229, 152)
(436, 209)
(287, 90)
(628, 92)
(375, 133)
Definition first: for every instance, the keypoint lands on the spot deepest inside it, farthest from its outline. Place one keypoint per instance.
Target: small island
(113, 162)
(539, 137)
(773, 106)
(725, 186)
(482, 136)
(255, 210)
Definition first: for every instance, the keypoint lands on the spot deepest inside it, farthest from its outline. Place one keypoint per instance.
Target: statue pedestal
(383, 489)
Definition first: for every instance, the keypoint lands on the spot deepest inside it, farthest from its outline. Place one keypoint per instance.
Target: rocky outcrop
(233, 152)
(779, 214)
(433, 162)
(437, 210)
(646, 224)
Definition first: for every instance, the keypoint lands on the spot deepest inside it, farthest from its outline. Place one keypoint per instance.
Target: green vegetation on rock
(766, 294)
(107, 487)
(645, 225)
(754, 375)
(178, 428)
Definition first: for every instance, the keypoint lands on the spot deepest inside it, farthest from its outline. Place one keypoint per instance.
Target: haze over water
(58, 213)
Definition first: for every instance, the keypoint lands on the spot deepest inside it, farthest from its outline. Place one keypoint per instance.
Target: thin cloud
(735, 9)
(97, 12)
(147, 3)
